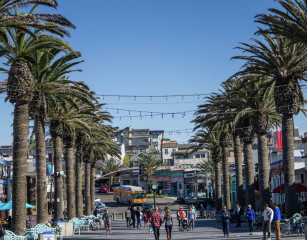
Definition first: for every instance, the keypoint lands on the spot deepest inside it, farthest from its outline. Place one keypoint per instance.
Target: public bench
(33, 233)
(80, 224)
(12, 236)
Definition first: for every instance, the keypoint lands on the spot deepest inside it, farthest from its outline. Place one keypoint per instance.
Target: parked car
(180, 199)
(190, 199)
(101, 207)
(146, 206)
(104, 189)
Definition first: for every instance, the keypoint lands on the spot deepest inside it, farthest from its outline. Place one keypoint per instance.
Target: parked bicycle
(293, 225)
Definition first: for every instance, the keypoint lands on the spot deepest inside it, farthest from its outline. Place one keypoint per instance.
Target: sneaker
(110, 231)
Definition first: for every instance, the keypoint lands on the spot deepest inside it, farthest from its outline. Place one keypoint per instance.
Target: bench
(32, 233)
(12, 236)
(80, 224)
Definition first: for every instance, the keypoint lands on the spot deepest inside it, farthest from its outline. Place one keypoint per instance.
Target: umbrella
(8, 206)
(298, 187)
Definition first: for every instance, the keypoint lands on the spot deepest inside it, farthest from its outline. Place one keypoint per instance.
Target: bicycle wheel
(284, 229)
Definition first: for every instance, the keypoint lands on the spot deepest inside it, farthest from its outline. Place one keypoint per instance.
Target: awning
(298, 187)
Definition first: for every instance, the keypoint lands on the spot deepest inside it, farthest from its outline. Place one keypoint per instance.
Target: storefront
(163, 179)
(130, 177)
(177, 183)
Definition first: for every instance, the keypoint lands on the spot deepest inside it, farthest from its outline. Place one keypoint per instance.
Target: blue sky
(156, 47)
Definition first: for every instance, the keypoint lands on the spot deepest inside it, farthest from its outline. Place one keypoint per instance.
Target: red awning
(298, 187)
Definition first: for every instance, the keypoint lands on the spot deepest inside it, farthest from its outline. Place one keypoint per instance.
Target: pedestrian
(139, 218)
(225, 221)
(194, 208)
(276, 220)
(128, 217)
(168, 223)
(95, 213)
(267, 220)
(156, 221)
(238, 214)
(145, 218)
(202, 210)
(107, 217)
(180, 217)
(133, 212)
(251, 218)
(191, 218)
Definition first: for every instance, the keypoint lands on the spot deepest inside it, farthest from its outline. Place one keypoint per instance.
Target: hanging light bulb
(117, 111)
(120, 118)
(130, 118)
(151, 115)
(103, 97)
(172, 115)
(198, 96)
(182, 97)
(166, 98)
(150, 98)
(134, 98)
(183, 115)
(118, 97)
(162, 115)
(140, 114)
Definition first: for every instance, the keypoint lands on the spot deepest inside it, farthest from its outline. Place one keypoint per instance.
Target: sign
(189, 180)
(277, 141)
(201, 180)
(160, 174)
(176, 174)
(189, 175)
(163, 179)
(177, 180)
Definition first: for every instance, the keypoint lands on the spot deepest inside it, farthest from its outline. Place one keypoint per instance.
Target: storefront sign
(176, 174)
(163, 179)
(201, 180)
(189, 175)
(177, 180)
(160, 174)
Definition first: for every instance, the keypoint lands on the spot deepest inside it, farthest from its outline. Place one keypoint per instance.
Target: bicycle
(292, 225)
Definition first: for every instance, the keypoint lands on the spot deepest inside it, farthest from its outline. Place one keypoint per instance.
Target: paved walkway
(204, 229)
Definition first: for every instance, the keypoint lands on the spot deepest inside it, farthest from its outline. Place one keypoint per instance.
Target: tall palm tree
(109, 166)
(285, 64)
(208, 167)
(149, 163)
(210, 139)
(290, 22)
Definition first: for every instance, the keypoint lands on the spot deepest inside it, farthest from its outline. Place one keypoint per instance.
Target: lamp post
(154, 188)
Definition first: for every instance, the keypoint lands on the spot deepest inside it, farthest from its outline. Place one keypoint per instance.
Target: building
(168, 148)
(186, 157)
(139, 140)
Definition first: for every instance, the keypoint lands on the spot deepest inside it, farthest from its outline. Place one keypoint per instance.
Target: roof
(186, 146)
(170, 145)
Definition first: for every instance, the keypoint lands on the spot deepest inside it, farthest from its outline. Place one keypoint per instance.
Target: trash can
(47, 236)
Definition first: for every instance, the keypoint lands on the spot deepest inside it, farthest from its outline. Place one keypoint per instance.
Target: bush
(157, 196)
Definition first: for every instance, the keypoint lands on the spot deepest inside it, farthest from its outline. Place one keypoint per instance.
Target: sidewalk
(204, 229)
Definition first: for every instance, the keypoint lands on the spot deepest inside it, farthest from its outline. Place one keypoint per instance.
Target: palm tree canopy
(290, 22)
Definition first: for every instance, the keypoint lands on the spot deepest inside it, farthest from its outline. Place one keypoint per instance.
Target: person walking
(267, 220)
(138, 215)
(168, 223)
(95, 213)
(156, 221)
(180, 217)
(107, 217)
(202, 210)
(238, 214)
(276, 220)
(128, 217)
(191, 218)
(225, 221)
(193, 207)
(250, 213)
(133, 213)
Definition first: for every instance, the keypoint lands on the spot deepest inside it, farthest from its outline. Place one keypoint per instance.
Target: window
(197, 155)
(203, 155)
(166, 151)
(174, 149)
(126, 141)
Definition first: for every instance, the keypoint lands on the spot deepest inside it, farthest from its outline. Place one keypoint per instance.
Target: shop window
(166, 151)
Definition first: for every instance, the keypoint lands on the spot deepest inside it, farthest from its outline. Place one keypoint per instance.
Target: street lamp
(154, 188)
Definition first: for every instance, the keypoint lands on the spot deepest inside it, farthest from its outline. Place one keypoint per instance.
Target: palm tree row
(263, 94)
(38, 65)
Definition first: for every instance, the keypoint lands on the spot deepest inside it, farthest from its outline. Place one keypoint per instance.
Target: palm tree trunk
(42, 207)
(70, 178)
(20, 151)
(239, 172)
(226, 183)
(58, 166)
(249, 174)
(288, 164)
(87, 190)
(93, 192)
(263, 174)
(79, 170)
(218, 185)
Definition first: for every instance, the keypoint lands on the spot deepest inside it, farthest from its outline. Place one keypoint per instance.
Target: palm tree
(20, 85)
(285, 64)
(149, 163)
(210, 139)
(290, 22)
(208, 167)
(109, 167)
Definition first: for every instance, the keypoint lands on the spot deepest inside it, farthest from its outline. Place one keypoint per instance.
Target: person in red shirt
(156, 221)
(180, 217)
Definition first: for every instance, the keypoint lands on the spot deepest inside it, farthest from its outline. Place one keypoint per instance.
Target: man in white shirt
(267, 220)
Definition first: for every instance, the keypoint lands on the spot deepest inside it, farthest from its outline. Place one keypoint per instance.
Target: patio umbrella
(298, 187)
(8, 206)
